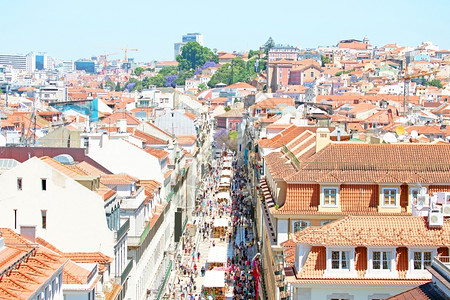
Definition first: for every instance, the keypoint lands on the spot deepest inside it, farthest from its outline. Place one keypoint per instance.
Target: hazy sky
(72, 29)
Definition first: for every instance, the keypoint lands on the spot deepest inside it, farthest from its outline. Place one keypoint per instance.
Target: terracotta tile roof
(118, 179)
(272, 103)
(24, 278)
(426, 291)
(240, 85)
(113, 293)
(372, 231)
(186, 139)
(112, 119)
(158, 153)
(150, 186)
(191, 115)
(233, 113)
(75, 274)
(149, 139)
(89, 169)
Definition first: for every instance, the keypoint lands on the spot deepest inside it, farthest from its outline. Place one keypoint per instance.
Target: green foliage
(237, 71)
(227, 108)
(202, 87)
(158, 80)
(118, 88)
(168, 71)
(252, 53)
(110, 85)
(233, 135)
(344, 72)
(269, 45)
(277, 206)
(325, 60)
(138, 71)
(183, 75)
(435, 82)
(194, 55)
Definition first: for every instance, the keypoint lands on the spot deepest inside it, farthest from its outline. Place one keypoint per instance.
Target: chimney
(28, 232)
(122, 125)
(104, 139)
(322, 138)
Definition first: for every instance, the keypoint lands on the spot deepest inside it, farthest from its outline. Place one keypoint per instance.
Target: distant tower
(366, 40)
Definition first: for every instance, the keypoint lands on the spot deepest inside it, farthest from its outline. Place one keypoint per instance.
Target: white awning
(226, 173)
(226, 180)
(214, 279)
(221, 222)
(217, 254)
(224, 195)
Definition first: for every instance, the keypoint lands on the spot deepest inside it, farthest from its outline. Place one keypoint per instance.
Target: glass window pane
(417, 260)
(376, 260)
(427, 259)
(335, 259)
(345, 260)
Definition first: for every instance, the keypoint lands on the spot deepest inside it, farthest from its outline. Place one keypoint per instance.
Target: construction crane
(126, 49)
(105, 62)
(407, 79)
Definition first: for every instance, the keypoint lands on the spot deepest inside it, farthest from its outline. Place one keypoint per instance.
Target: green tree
(269, 45)
(194, 55)
(158, 80)
(252, 53)
(201, 87)
(138, 71)
(118, 88)
(227, 108)
(183, 75)
(109, 85)
(325, 60)
(435, 82)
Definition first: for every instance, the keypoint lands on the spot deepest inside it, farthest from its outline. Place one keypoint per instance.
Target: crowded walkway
(218, 261)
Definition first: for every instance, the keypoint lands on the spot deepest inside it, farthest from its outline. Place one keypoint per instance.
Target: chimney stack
(322, 138)
(28, 232)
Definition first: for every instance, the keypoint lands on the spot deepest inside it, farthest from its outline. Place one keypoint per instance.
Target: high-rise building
(19, 61)
(88, 66)
(188, 37)
(41, 61)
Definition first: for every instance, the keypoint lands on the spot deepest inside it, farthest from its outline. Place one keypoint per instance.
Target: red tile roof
(376, 231)
(149, 139)
(272, 103)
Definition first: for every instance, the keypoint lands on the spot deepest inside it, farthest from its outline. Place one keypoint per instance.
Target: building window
(19, 184)
(299, 225)
(381, 260)
(44, 184)
(389, 196)
(15, 218)
(312, 74)
(330, 196)
(324, 222)
(422, 259)
(44, 219)
(340, 260)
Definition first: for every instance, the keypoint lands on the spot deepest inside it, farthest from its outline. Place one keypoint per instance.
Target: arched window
(299, 225)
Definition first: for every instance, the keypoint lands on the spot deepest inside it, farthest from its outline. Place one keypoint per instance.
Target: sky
(80, 29)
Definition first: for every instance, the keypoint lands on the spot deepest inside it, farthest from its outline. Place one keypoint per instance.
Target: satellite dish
(389, 137)
(2, 141)
(419, 205)
(400, 130)
(414, 134)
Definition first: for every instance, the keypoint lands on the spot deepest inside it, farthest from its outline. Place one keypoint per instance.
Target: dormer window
(422, 259)
(330, 196)
(340, 260)
(389, 197)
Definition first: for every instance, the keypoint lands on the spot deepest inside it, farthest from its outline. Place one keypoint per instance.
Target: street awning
(214, 279)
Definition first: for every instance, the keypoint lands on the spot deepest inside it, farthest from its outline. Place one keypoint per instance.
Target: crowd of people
(241, 269)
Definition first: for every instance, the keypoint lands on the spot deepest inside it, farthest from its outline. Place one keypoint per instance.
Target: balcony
(126, 272)
(122, 230)
(442, 265)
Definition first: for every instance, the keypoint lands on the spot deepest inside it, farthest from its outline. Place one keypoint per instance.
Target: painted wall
(75, 215)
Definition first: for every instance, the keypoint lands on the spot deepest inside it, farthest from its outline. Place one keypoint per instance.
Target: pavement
(203, 246)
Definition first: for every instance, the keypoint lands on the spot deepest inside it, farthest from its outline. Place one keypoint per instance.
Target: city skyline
(91, 29)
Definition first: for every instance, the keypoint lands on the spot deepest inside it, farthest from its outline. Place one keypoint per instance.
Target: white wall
(120, 156)
(282, 231)
(352, 292)
(76, 220)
